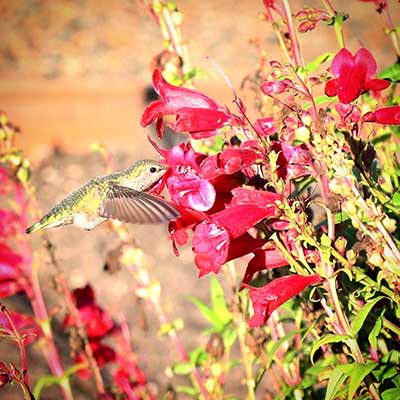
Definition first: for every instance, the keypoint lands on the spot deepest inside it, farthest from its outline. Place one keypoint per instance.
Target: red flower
(386, 115)
(263, 259)
(265, 126)
(293, 161)
(185, 182)
(212, 238)
(309, 18)
(25, 325)
(131, 380)
(5, 375)
(12, 279)
(102, 353)
(268, 298)
(353, 75)
(194, 112)
(97, 321)
(228, 162)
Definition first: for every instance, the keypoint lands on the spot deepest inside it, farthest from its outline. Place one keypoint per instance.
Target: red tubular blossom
(212, 238)
(228, 162)
(263, 259)
(353, 75)
(386, 116)
(268, 298)
(194, 112)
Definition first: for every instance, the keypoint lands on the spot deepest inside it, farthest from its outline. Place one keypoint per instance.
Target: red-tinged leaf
(25, 325)
(268, 298)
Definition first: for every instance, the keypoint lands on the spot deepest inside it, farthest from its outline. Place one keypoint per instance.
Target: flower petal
(268, 298)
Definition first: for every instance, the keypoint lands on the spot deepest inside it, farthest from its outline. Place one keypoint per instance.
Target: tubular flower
(194, 112)
(353, 75)
(268, 298)
(386, 115)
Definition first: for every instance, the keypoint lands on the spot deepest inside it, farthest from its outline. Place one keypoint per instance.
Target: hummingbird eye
(153, 169)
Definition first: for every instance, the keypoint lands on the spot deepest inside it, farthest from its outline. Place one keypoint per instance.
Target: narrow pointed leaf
(359, 372)
(361, 316)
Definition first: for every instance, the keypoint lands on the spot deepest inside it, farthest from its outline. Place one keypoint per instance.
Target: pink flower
(386, 115)
(212, 238)
(12, 279)
(275, 87)
(185, 182)
(268, 298)
(309, 17)
(353, 75)
(194, 112)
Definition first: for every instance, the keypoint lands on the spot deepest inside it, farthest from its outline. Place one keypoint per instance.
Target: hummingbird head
(144, 174)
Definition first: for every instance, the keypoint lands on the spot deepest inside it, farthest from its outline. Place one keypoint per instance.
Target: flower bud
(215, 346)
(375, 259)
(4, 375)
(389, 224)
(302, 134)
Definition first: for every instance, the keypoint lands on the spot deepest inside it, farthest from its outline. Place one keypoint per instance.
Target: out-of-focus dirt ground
(73, 72)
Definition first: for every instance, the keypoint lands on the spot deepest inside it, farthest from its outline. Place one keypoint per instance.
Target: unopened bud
(4, 375)
(215, 346)
(340, 244)
(350, 208)
(389, 224)
(375, 259)
(302, 134)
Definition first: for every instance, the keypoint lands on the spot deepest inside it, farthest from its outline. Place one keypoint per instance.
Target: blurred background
(74, 72)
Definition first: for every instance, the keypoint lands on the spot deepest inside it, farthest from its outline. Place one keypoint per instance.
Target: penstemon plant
(305, 197)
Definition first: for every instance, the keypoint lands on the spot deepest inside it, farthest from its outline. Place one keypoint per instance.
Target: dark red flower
(5, 375)
(353, 75)
(194, 112)
(293, 161)
(98, 322)
(103, 355)
(131, 380)
(386, 115)
(268, 298)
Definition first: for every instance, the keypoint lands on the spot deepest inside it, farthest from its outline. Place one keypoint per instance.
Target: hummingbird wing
(134, 206)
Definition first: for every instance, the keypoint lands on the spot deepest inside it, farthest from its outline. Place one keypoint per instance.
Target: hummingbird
(120, 195)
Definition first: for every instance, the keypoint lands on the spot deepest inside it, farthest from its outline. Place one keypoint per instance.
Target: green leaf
(391, 394)
(392, 73)
(191, 391)
(396, 199)
(320, 100)
(182, 368)
(218, 302)
(325, 340)
(276, 345)
(229, 336)
(314, 64)
(207, 312)
(336, 380)
(373, 335)
(360, 317)
(198, 356)
(359, 372)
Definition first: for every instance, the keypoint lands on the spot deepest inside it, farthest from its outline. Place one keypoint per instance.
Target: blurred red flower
(353, 75)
